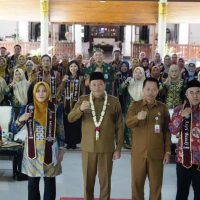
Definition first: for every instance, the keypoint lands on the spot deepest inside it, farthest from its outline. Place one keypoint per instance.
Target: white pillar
(23, 31)
(162, 16)
(73, 33)
(183, 34)
(127, 41)
(55, 33)
(44, 8)
(78, 42)
(151, 34)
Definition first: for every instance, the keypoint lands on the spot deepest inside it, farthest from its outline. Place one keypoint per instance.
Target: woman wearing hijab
(145, 65)
(4, 73)
(21, 62)
(157, 60)
(134, 63)
(3, 63)
(191, 72)
(172, 91)
(36, 60)
(121, 76)
(156, 73)
(18, 92)
(43, 152)
(72, 87)
(30, 71)
(3, 88)
(133, 87)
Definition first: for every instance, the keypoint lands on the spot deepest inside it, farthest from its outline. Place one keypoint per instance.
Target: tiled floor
(70, 182)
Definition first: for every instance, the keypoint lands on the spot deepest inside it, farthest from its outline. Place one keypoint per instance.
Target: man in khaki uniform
(102, 135)
(149, 121)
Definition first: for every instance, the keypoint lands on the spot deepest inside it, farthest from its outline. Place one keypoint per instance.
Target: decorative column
(183, 37)
(78, 41)
(127, 41)
(162, 16)
(23, 28)
(44, 10)
(73, 39)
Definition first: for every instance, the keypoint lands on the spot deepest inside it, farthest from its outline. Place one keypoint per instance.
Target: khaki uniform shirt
(145, 142)
(111, 133)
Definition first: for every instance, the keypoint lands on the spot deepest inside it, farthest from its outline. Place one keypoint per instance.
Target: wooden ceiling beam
(114, 12)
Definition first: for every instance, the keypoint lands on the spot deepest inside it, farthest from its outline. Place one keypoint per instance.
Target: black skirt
(72, 131)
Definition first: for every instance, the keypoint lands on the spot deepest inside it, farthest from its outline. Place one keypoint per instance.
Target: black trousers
(49, 188)
(184, 179)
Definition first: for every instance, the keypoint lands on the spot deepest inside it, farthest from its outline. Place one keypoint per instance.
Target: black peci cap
(97, 76)
(193, 83)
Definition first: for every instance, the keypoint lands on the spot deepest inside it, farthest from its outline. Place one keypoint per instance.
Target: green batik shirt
(108, 72)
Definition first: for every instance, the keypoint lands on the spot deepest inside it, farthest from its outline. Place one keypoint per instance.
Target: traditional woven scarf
(49, 134)
(72, 93)
(53, 86)
(60, 69)
(186, 138)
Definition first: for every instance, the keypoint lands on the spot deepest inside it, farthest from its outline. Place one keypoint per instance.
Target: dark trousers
(49, 188)
(184, 178)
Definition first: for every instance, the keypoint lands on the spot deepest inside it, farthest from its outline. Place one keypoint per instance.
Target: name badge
(106, 76)
(157, 128)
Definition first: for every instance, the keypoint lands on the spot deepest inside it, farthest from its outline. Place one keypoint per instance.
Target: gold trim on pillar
(162, 9)
(44, 7)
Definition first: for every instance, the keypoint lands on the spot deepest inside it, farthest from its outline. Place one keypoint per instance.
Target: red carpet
(76, 198)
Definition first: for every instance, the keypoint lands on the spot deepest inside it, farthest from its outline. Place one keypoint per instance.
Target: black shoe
(22, 177)
(127, 146)
(71, 146)
(74, 146)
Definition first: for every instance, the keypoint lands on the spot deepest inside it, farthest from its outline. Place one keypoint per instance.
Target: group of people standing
(105, 106)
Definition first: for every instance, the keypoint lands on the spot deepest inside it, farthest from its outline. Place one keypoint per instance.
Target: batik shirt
(108, 73)
(174, 94)
(175, 127)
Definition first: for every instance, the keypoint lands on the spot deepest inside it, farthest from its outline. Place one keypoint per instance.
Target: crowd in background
(69, 79)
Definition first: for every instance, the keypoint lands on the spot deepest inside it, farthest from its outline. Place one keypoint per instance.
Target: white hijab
(135, 87)
(20, 89)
